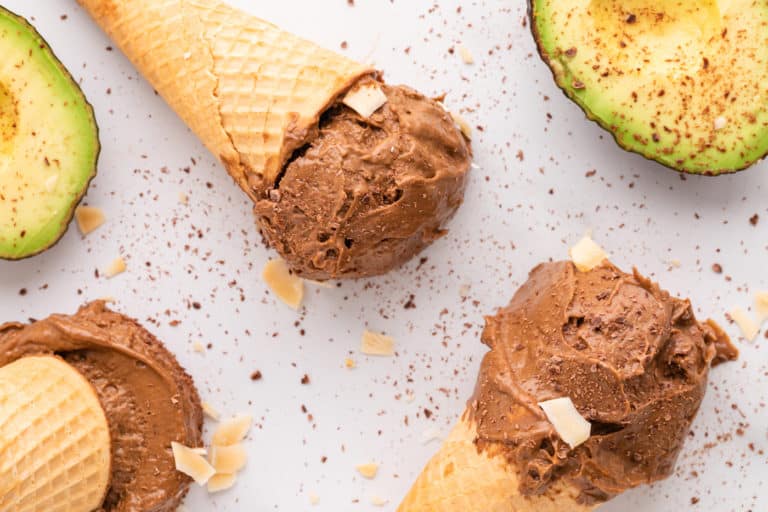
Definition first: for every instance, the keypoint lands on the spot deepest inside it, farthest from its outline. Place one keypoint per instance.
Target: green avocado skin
(752, 145)
(19, 40)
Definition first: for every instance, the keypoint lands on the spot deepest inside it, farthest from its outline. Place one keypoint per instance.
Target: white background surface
(210, 252)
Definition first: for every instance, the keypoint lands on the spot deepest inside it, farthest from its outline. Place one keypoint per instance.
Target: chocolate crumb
(754, 219)
(427, 413)
(256, 375)
(717, 268)
(694, 500)
(305, 379)
(23, 292)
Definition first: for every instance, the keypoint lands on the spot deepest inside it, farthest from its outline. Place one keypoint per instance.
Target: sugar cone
(54, 439)
(240, 83)
(459, 478)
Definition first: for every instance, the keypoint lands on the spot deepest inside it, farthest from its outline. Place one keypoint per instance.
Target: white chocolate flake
(377, 344)
(191, 463)
(586, 254)
(115, 268)
(568, 423)
(365, 100)
(228, 459)
(221, 482)
(288, 287)
(746, 324)
(88, 219)
(232, 431)
(368, 470)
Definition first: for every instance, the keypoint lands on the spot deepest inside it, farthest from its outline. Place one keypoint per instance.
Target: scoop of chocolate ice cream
(148, 399)
(366, 194)
(632, 358)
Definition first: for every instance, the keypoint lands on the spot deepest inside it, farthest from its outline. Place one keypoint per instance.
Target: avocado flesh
(48, 142)
(681, 82)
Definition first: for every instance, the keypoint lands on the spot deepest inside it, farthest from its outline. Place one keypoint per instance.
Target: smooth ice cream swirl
(363, 195)
(148, 399)
(633, 360)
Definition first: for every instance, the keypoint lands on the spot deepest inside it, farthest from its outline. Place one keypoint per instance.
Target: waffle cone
(459, 478)
(250, 91)
(54, 439)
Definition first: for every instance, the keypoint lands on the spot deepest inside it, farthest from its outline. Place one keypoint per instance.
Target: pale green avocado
(49, 142)
(682, 82)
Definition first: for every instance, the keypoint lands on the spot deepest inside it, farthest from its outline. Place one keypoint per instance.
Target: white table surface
(518, 211)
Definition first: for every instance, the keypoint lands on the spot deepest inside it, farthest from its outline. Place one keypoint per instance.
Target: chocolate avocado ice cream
(148, 399)
(633, 359)
(364, 195)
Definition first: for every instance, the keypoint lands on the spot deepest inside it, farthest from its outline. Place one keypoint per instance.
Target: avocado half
(682, 82)
(49, 142)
